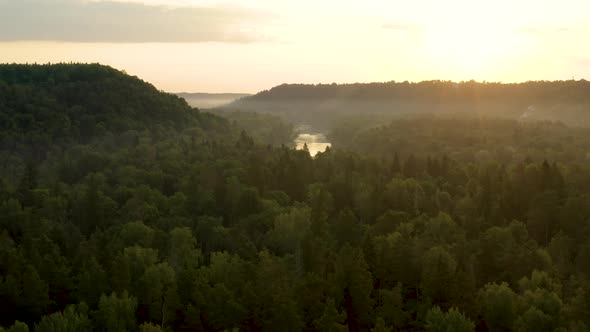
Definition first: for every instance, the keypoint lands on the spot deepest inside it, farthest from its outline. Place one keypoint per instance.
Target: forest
(124, 209)
(327, 104)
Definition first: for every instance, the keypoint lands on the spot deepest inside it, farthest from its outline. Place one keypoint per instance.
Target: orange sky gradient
(248, 46)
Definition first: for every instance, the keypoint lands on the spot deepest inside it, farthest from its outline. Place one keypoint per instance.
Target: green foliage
(17, 327)
(391, 308)
(453, 320)
(543, 313)
(160, 296)
(124, 198)
(288, 230)
(149, 327)
(331, 320)
(72, 319)
(116, 313)
(354, 283)
(499, 306)
(534, 320)
(438, 275)
(380, 326)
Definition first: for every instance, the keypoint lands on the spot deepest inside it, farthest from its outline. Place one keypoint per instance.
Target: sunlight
(475, 50)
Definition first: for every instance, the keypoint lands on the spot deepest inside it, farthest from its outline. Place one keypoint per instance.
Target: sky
(249, 46)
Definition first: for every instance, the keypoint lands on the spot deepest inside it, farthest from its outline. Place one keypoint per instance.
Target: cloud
(122, 22)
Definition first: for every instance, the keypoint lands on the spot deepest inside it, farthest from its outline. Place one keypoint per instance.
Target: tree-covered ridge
(202, 229)
(526, 93)
(61, 104)
(564, 101)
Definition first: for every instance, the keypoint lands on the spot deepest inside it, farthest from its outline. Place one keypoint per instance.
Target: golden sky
(248, 46)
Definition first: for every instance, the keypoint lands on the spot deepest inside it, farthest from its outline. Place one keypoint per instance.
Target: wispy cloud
(118, 22)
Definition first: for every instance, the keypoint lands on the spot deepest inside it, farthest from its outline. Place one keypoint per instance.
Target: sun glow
(477, 50)
(253, 45)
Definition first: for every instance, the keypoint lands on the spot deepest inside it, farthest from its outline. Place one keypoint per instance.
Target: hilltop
(63, 104)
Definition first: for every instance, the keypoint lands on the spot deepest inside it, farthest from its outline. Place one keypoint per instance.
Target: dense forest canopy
(503, 140)
(139, 213)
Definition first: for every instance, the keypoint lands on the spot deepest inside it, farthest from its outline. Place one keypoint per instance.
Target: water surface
(316, 141)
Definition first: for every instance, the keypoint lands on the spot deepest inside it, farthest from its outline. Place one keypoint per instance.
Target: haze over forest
(195, 165)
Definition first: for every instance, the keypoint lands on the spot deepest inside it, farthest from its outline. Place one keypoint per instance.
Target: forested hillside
(436, 91)
(565, 101)
(60, 105)
(138, 213)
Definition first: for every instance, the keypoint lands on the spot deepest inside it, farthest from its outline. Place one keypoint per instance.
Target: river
(316, 141)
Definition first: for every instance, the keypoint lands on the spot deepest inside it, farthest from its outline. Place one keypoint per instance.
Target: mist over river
(316, 141)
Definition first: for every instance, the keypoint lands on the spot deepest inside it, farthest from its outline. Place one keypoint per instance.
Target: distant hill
(566, 101)
(210, 100)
